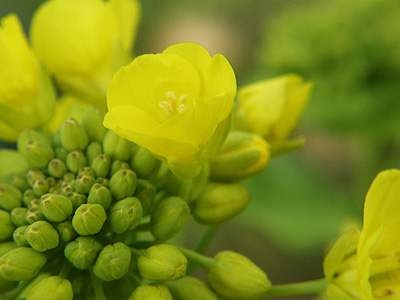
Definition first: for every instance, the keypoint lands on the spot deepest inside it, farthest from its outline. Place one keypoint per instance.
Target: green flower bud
(52, 287)
(191, 288)
(84, 183)
(10, 197)
(42, 236)
(220, 202)
(56, 208)
(19, 236)
(27, 136)
(117, 147)
(77, 199)
(69, 177)
(93, 150)
(101, 165)
(157, 291)
(75, 160)
(65, 231)
(82, 252)
(100, 194)
(169, 217)
(51, 182)
(113, 262)
(103, 181)
(123, 184)
(125, 215)
(6, 285)
(118, 165)
(21, 263)
(7, 246)
(146, 192)
(38, 154)
(57, 168)
(235, 276)
(20, 182)
(28, 196)
(61, 153)
(40, 187)
(86, 171)
(18, 216)
(92, 123)
(242, 155)
(162, 262)
(34, 174)
(56, 139)
(24, 293)
(144, 163)
(89, 219)
(67, 188)
(73, 137)
(34, 212)
(6, 227)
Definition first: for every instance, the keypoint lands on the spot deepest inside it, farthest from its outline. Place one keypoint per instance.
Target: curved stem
(296, 289)
(203, 261)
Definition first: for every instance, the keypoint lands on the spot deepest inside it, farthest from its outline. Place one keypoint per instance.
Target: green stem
(66, 268)
(203, 244)
(203, 261)
(97, 287)
(296, 289)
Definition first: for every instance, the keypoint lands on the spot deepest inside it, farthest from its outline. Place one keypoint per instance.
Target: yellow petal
(217, 75)
(145, 82)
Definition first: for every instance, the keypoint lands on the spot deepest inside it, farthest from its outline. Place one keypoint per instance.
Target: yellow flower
(176, 104)
(273, 107)
(83, 42)
(366, 265)
(26, 93)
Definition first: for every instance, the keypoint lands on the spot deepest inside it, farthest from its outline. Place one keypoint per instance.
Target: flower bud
(75, 160)
(144, 163)
(89, 219)
(56, 208)
(146, 192)
(73, 137)
(18, 216)
(169, 217)
(117, 147)
(220, 202)
(69, 176)
(19, 236)
(61, 153)
(92, 123)
(125, 215)
(191, 288)
(10, 197)
(86, 171)
(40, 187)
(101, 165)
(118, 165)
(123, 184)
(113, 262)
(77, 199)
(56, 168)
(28, 196)
(242, 155)
(34, 174)
(83, 183)
(21, 263)
(42, 236)
(38, 154)
(82, 252)
(51, 182)
(34, 212)
(6, 227)
(52, 287)
(7, 246)
(92, 150)
(100, 194)
(20, 182)
(156, 291)
(235, 276)
(65, 231)
(162, 262)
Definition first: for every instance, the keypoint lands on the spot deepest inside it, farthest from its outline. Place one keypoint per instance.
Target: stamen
(181, 108)
(171, 94)
(167, 108)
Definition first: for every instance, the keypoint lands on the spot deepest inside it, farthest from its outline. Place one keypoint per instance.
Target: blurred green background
(351, 50)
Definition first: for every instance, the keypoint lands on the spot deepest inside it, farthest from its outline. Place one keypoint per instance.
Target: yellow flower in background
(26, 92)
(176, 104)
(83, 42)
(366, 265)
(273, 107)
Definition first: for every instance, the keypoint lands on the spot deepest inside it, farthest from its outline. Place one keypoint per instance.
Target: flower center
(173, 105)
(385, 277)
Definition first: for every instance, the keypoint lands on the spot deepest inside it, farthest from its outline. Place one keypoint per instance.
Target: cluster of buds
(94, 212)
